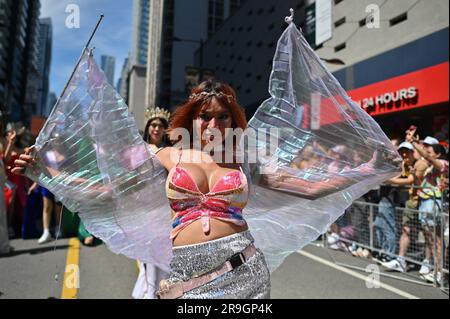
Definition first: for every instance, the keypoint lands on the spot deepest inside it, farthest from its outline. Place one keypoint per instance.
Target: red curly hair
(185, 114)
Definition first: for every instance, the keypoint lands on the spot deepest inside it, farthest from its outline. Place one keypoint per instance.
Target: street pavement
(315, 273)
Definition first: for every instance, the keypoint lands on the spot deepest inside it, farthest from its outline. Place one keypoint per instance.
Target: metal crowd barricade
(377, 227)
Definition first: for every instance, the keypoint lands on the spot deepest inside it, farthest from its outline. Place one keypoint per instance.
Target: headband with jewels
(153, 112)
(206, 95)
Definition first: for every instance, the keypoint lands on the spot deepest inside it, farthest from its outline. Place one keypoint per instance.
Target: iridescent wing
(91, 156)
(328, 152)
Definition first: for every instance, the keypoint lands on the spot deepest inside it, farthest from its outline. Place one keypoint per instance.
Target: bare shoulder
(168, 156)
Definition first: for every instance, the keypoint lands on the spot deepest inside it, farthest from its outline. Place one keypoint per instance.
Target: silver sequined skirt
(250, 280)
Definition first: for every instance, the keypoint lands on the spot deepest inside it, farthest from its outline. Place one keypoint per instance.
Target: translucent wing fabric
(329, 153)
(91, 156)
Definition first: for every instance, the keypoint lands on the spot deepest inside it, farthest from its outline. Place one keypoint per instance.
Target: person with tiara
(223, 207)
(155, 135)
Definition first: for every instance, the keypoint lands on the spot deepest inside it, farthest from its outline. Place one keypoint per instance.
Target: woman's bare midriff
(193, 234)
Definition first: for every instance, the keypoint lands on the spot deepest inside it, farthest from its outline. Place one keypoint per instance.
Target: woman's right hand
(25, 161)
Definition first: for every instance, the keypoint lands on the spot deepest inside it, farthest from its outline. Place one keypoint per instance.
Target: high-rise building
(159, 56)
(135, 94)
(19, 43)
(134, 69)
(122, 86)
(45, 57)
(108, 65)
(141, 18)
(395, 55)
(51, 101)
(177, 30)
(118, 84)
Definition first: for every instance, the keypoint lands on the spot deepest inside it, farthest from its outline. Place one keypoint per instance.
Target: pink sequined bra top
(225, 200)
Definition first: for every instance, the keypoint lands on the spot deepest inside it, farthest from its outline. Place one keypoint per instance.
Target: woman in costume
(155, 135)
(209, 248)
(156, 127)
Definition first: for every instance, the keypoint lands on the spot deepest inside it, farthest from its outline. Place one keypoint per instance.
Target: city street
(144, 118)
(29, 272)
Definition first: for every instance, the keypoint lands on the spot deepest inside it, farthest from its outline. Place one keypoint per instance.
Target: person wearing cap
(430, 195)
(413, 171)
(428, 141)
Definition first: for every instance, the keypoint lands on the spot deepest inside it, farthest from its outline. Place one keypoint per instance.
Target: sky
(112, 38)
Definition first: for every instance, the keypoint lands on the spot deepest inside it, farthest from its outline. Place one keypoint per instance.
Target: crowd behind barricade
(403, 225)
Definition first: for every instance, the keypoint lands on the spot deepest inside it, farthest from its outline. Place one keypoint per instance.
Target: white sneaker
(45, 238)
(425, 268)
(396, 265)
(332, 238)
(430, 277)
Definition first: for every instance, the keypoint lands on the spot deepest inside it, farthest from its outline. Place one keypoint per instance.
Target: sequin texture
(251, 280)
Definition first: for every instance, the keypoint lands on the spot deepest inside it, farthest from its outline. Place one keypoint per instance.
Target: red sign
(417, 89)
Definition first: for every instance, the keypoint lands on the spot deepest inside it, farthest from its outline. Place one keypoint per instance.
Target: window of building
(339, 22)
(259, 44)
(249, 43)
(270, 27)
(234, 6)
(339, 47)
(398, 19)
(260, 11)
(362, 22)
(216, 15)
